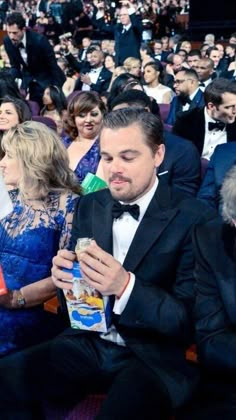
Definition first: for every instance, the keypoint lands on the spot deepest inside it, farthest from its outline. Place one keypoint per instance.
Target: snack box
(92, 183)
(87, 308)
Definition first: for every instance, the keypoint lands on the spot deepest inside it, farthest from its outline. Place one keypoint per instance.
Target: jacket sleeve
(208, 191)
(56, 74)
(216, 339)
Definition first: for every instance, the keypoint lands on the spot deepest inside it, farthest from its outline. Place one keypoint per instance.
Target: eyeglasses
(179, 82)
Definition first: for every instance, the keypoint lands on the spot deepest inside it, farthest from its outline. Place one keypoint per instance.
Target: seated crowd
(156, 122)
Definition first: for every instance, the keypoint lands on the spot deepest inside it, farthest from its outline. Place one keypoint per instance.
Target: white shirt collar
(193, 94)
(208, 118)
(126, 27)
(24, 40)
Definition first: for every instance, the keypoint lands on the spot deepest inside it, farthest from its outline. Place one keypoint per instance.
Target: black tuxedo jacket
(191, 126)
(104, 78)
(182, 162)
(127, 44)
(215, 307)
(176, 107)
(42, 65)
(157, 322)
(228, 75)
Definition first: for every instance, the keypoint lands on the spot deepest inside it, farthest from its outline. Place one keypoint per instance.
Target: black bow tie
(202, 84)
(185, 100)
(20, 45)
(218, 125)
(118, 209)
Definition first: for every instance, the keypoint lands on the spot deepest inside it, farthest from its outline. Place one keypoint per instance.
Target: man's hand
(85, 79)
(101, 271)
(63, 259)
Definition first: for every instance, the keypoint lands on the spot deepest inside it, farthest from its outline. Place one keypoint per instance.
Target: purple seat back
(164, 111)
(34, 107)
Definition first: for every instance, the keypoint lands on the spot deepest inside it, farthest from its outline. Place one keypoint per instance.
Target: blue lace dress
(89, 162)
(29, 238)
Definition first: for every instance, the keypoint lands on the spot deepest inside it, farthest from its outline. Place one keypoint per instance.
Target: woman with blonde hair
(43, 191)
(133, 66)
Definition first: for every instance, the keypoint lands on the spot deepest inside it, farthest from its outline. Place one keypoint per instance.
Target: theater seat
(164, 111)
(45, 120)
(72, 95)
(34, 107)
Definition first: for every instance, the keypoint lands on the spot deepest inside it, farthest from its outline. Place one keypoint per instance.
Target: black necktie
(218, 125)
(20, 45)
(185, 100)
(118, 209)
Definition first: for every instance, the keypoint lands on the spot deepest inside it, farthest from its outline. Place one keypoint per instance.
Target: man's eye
(106, 158)
(127, 158)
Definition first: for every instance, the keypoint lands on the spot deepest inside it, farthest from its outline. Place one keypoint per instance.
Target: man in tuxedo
(141, 257)
(205, 71)
(86, 43)
(188, 94)
(32, 58)
(159, 54)
(220, 65)
(223, 158)
(93, 74)
(181, 164)
(193, 58)
(215, 123)
(127, 33)
(215, 309)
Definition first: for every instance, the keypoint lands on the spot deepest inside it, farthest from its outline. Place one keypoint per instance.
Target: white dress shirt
(124, 230)
(93, 75)
(187, 106)
(23, 51)
(212, 138)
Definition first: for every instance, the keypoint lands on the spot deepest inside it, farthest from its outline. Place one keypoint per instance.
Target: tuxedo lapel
(102, 222)
(156, 219)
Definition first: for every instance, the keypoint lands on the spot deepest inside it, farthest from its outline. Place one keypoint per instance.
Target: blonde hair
(43, 160)
(131, 62)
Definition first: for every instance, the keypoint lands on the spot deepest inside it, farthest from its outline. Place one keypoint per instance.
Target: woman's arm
(31, 295)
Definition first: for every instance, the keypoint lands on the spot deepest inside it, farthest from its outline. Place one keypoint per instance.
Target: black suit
(191, 126)
(103, 80)
(228, 74)
(182, 162)
(127, 44)
(156, 323)
(42, 68)
(215, 311)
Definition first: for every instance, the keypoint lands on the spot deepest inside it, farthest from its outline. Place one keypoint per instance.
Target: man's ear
(210, 105)
(159, 155)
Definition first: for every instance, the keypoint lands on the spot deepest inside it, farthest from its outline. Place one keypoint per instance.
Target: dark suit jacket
(228, 74)
(104, 78)
(42, 65)
(191, 126)
(215, 307)
(223, 158)
(156, 323)
(127, 44)
(176, 107)
(182, 161)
